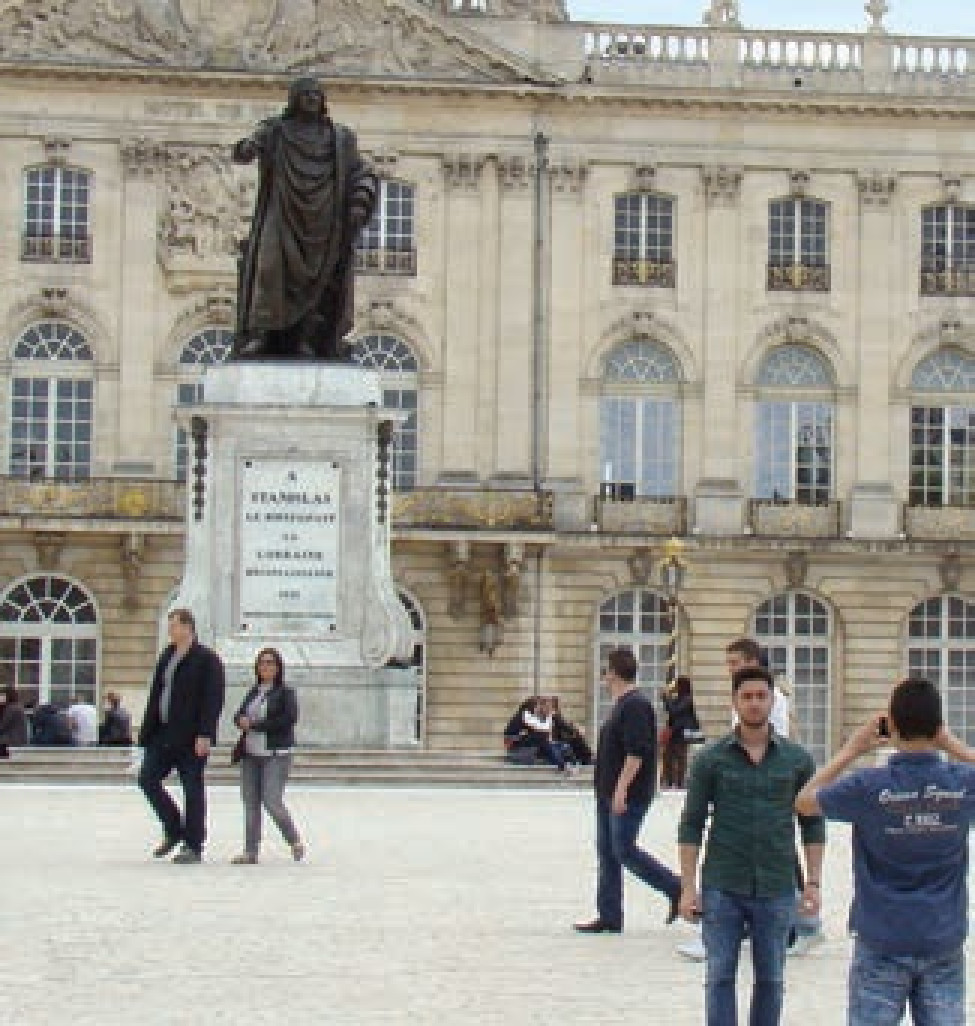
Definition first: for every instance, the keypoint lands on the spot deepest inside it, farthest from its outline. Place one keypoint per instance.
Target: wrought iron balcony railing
(661, 274)
(798, 278)
(59, 249)
(386, 261)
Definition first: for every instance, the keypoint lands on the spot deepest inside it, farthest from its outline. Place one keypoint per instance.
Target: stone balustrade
(472, 508)
(939, 523)
(770, 519)
(663, 517)
(127, 499)
(842, 62)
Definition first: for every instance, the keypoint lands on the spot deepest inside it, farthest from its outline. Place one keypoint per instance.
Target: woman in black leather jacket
(681, 722)
(267, 718)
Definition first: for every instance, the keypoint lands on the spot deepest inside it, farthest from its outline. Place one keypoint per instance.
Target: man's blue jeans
(616, 849)
(725, 918)
(882, 986)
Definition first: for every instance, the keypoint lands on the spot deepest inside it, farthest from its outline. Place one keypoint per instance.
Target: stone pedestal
(874, 512)
(287, 544)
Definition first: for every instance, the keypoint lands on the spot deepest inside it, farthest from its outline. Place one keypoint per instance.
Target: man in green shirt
(748, 781)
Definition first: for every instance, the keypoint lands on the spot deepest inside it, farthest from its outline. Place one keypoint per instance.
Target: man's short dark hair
(749, 674)
(747, 649)
(915, 708)
(184, 616)
(623, 663)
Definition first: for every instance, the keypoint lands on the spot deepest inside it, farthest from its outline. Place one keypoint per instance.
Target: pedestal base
(719, 508)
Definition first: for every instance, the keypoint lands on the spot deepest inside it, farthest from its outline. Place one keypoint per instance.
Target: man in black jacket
(178, 729)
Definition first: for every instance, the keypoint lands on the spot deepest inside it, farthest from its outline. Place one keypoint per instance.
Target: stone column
(874, 512)
(718, 501)
(462, 296)
(142, 163)
(513, 321)
(567, 293)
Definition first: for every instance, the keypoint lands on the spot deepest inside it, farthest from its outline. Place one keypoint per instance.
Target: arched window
(57, 215)
(796, 630)
(794, 427)
(639, 620)
(205, 348)
(948, 250)
(387, 244)
(639, 422)
(418, 661)
(941, 647)
(943, 431)
(798, 245)
(49, 640)
(398, 368)
(643, 249)
(51, 403)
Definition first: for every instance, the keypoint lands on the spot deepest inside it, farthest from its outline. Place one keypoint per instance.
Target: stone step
(312, 766)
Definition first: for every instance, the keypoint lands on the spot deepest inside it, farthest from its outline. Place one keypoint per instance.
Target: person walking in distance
(178, 729)
(911, 826)
(267, 716)
(626, 769)
(749, 780)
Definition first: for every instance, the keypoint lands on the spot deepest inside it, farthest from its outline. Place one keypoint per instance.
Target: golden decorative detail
(96, 498)
(132, 503)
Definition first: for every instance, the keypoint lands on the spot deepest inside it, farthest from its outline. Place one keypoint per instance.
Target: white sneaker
(805, 942)
(693, 950)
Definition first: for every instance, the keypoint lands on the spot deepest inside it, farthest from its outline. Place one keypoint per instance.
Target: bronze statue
(315, 193)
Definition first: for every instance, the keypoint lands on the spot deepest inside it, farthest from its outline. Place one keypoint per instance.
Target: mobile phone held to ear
(883, 728)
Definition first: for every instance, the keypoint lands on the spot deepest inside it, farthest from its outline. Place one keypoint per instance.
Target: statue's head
(306, 96)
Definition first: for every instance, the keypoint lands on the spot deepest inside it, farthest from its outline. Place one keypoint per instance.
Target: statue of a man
(315, 193)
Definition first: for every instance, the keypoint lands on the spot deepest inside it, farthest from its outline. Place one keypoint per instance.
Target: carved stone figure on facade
(315, 193)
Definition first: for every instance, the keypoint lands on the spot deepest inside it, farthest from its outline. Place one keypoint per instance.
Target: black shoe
(596, 926)
(187, 856)
(164, 847)
(674, 910)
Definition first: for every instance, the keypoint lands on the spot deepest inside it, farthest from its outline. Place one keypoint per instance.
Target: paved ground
(441, 907)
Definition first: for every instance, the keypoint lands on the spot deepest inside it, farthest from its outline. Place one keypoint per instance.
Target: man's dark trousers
(616, 849)
(159, 760)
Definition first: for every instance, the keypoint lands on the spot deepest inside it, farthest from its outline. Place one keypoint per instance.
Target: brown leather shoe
(596, 926)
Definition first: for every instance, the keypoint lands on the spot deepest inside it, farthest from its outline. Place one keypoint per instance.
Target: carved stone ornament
(132, 548)
(876, 9)
(335, 37)
(463, 170)
(798, 183)
(722, 12)
(206, 205)
(460, 560)
(950, 186)
(514, 557)
(796, 567)
(642, 565)
(516, 171)
(949, 570)
(54, 301)
(876, 188)
(644, 177)
(722, 183)
(48, 545)
(536, 10)
(568, 175)
(57, 149)
(142, 156)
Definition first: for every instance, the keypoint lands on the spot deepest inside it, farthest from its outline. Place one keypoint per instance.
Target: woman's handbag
(237, 752)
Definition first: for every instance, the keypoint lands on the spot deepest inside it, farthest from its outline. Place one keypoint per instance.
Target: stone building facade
(630, 284)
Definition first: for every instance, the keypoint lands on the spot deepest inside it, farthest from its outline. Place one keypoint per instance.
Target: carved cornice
(876, 188)
(722, 183)
(463, 170)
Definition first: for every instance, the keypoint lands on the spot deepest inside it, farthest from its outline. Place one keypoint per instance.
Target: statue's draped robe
(299, 257)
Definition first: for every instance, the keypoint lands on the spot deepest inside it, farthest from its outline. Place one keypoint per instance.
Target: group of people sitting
(51, 725)
(539, 732)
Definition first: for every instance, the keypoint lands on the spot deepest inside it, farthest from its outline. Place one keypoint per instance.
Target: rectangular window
(57, 206)
(404, 467)
(387, 244)
(942, 456)
(187, 393)
(798, 246)
(639, 447)
(643, 248)
(794, 452)
(948, 251)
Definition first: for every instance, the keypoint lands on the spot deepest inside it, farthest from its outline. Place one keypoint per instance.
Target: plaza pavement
(435, 906)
